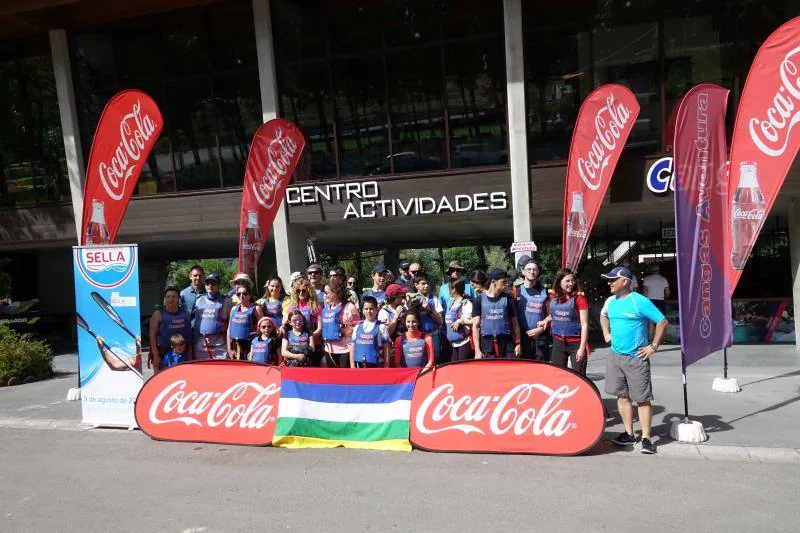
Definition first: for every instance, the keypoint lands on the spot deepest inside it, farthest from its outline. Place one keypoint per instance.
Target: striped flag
(354, 408)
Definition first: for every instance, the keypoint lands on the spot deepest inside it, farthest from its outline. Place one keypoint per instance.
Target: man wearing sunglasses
(210, 322)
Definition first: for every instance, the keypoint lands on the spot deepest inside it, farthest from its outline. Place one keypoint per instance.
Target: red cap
(395, 289)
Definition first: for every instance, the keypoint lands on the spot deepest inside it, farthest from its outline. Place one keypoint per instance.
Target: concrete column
(65, 91)
(290, 247)
(517, 132)
(794, 252)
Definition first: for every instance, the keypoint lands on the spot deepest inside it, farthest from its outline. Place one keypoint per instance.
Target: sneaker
(648, 447)
(624, 439)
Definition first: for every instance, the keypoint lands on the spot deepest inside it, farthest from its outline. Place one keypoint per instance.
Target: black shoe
(624, 439)
(648, 447)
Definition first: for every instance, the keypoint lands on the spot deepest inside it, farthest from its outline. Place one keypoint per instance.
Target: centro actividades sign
(364, 200)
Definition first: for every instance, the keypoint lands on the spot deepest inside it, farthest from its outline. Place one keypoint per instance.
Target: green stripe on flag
(354, 431)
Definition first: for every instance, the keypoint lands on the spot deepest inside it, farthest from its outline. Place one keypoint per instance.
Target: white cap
(748, 174)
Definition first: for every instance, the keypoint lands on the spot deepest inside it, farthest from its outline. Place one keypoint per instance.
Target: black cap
(404, 265)
(497, 273)
(213, 277)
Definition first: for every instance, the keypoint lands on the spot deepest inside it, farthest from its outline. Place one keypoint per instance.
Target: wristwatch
(653, 346)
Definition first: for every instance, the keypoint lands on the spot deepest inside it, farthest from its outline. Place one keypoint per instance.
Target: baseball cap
(380, 267)
(404, 265)
(294, 277)
(394, 289)
(523, 260)
(313, 268)
(213, 278)
(497, 273)
(619, 272)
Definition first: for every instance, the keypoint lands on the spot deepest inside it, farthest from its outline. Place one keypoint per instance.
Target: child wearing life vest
(413, 349)
(176, 354)
(370, 347)
(338, 318)
(298, 343)
(264, 347)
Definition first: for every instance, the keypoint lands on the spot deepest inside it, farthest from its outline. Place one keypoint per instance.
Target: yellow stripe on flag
(392, 445)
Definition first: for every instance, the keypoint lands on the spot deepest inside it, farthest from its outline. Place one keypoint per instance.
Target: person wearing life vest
(430, 311)
(458, 319)
(210, 322)
(495, 330)
(378, 290)
(304, 300)
(392, 314)
(370, 346)
(455, 272)
(264, 347)
(171, 319)
(338, 318)
(413, 349)
(242, 324)
(274, 301)
(532, 308)
(569, 322)
(298, 343)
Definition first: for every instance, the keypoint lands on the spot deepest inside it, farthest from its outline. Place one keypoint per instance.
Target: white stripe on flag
(344, 412)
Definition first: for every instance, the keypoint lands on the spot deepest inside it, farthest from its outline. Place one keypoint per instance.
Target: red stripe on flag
(350, 376)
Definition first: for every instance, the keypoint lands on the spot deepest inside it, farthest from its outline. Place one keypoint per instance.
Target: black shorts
(505, 346)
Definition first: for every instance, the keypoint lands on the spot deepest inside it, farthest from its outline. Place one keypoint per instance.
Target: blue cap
(619, 272)
(497, 273)
(379, 268)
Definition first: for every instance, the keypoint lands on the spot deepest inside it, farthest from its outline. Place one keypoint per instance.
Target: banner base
(690, 431)
(726, 385)
(74, 394)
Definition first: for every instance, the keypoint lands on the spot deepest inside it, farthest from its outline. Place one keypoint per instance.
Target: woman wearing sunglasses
(242, 324)
(274, 301)
(304, 300)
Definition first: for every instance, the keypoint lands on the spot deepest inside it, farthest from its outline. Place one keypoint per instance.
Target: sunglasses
(242, 294)
(413, 272)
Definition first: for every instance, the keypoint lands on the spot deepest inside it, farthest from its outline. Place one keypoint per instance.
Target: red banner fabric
(604, 122)
(125, 135)
(495, 405)
(226, 402)
(274, 153)
(765, 141)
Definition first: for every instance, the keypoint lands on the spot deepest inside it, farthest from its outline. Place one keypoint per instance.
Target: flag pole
(685, 394)
(724, 363)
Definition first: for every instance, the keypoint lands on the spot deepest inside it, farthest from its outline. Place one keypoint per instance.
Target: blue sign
(660, 178)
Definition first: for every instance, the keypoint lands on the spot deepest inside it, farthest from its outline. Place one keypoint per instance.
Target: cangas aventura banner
(604, 122)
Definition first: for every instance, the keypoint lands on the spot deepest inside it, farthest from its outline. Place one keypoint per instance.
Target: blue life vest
(274, 311)
(171, 358)
(401, 322)
(566, 322)
(367, 344)
(261, 350)
(530, 307)
(172, 323)
(494, 317)
(450, 318)
(209, 311)
(306, 312)
(414, 352)
(241, 322)
(380, 296)
(298, 343)
(332, 323)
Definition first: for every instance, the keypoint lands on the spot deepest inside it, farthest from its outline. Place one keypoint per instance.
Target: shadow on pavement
(767, 409)
(786, 375)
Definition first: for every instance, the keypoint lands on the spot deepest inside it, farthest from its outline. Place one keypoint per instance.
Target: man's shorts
(629, 376)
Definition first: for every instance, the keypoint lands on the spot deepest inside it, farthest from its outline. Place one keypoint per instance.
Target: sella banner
(224, 402)
(274, 154)
(605, 120)
(765, 141)
(505, 406)
(126, 133)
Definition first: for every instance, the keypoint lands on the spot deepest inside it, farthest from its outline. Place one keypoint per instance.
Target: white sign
(523, 246)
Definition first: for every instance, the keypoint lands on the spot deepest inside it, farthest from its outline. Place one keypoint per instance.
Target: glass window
(237, 103)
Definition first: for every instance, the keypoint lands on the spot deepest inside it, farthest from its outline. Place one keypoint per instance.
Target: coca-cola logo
(748, 214)
(609, 126)
(281, 151)
(771, 131)
(505, 406)
(229, 402)
(135, 130)
(578, 233)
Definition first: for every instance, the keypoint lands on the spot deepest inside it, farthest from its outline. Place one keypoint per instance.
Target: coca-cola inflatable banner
(274, 153)
(604, 122)
(765, 141)
(125, 135)
(701, 199)
(507, 406)
(221, 402)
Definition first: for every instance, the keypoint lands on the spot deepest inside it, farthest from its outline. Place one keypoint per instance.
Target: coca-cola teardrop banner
(126, 133)
(701, 199)
(274, 153)
(223, 402)
(765, 141)
(604, 122)
(517, 406)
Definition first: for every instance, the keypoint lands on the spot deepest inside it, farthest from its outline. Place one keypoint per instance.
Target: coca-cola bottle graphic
(251, 242)
(576, 230)
(747, 213)
(96, 231)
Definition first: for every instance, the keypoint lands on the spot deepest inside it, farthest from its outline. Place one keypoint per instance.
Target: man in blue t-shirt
(625, 319)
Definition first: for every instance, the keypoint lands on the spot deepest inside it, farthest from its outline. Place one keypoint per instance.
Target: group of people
(402, 322)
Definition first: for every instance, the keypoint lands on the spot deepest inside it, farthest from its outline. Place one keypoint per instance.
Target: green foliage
(22, 356)
(178, 271)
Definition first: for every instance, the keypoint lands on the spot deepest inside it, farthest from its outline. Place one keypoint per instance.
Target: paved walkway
(758, 424)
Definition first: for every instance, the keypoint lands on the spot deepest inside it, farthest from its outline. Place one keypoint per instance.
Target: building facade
(428, 123)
